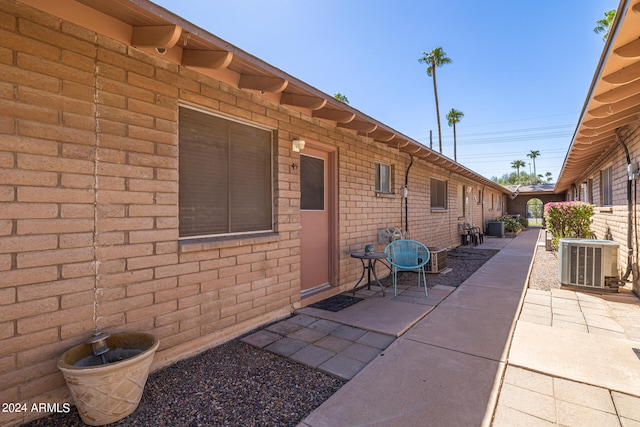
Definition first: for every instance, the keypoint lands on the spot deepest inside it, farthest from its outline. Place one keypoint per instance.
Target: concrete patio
(490, 352)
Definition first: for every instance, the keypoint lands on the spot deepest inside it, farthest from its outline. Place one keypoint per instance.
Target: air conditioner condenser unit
(437, 260)
(588, 263)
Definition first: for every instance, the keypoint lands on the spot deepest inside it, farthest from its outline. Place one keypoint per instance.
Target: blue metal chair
(407, 255)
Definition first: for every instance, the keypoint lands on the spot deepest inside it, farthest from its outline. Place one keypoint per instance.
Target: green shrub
(524, 222)
(568, 219)
(511, 225)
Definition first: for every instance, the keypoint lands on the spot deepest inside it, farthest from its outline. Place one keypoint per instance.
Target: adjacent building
(601, 166)
(153, 177)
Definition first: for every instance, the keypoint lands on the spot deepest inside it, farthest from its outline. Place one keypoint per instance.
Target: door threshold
(317, 294)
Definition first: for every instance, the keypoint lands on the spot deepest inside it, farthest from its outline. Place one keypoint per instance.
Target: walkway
(445, 370)
(462, 358)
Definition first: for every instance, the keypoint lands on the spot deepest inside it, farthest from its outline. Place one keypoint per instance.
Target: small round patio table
(369, 267)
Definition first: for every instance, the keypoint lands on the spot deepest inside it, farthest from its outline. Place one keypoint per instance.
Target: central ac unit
(589, 263)
(437, 260)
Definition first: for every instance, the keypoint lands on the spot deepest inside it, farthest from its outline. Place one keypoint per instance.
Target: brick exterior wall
(519, 204)
(89, 206)
(611, 222)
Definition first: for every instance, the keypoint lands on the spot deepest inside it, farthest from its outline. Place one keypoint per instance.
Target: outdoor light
(297, 145)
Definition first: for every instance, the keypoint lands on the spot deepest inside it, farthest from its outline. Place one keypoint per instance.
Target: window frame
(606, 186)
(267, 155)
(378, 184)
(434, 201)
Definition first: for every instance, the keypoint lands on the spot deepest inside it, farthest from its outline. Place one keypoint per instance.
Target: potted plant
(107, 374)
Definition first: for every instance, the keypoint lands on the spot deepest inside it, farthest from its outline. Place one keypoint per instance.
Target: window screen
(225, 176)
(438, 194)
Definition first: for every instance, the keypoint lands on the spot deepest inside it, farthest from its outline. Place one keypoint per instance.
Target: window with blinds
(225, 176)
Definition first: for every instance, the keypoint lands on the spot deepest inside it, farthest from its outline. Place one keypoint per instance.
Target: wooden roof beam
(262, 83)
(156, 36)
(624, 75)
(207, 59)
(616, 116)
(618, 93)
(359, 126)
(615, 107)
(302, 101)
(340, 116)
(629, 50)
(380, 135)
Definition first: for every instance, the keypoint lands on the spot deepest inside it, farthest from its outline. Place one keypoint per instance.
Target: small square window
(383, 178)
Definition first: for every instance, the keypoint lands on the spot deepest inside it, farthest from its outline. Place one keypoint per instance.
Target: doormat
(336, 302)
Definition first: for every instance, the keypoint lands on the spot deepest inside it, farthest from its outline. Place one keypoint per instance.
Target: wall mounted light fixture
(297, 145)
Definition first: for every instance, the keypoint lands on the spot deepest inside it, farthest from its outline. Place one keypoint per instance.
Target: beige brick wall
(89, 205)
(611, 222)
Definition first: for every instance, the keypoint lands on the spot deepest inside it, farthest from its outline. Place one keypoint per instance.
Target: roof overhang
(613, 101)
(148, 27)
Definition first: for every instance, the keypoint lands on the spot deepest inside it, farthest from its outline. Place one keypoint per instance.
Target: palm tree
(548, 176)
(454, 117)
(436, 58)
(604, 24)
(533, 155)
(517, 164)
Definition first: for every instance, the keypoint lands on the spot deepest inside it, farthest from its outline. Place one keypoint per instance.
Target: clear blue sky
(520, 71)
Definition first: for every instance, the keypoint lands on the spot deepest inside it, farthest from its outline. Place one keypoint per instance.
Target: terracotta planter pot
(106, 393)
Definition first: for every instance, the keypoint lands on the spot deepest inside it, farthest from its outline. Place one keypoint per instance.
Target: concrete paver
(312, 355)
(537, 405)
(408, 386)
(481, 333)
(627, 406)
(579, 356)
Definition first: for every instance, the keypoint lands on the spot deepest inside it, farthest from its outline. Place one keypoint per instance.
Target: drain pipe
(629, 210)
(405, 193)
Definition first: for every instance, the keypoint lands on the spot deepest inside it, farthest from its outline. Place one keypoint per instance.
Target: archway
(534, 211)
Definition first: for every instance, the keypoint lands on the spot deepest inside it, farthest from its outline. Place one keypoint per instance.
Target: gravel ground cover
(463, 262)
(236, 384)
(233, 384)
(544, 274)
